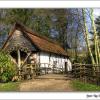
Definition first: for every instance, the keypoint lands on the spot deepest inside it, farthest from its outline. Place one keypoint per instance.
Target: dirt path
(47, 83)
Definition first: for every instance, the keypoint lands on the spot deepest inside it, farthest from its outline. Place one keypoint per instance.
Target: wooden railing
(87, 73)
(30, 70)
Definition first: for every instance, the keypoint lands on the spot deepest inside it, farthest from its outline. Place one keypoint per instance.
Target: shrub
(7, 67)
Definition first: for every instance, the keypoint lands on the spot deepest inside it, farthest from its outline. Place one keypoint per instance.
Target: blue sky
(96, 12)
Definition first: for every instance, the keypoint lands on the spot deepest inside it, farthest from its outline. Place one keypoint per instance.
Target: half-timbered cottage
(27, 47)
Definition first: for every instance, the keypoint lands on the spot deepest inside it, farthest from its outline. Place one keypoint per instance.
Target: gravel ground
(47, 83)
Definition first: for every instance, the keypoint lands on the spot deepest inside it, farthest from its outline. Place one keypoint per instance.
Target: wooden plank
(19, 59)
(26, 59)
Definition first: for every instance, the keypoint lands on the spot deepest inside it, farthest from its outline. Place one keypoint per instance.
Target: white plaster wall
(44, 58)
(38, 58)
(48, 58)
(60, 60)
(63, 62)
(60, 64)
(52, 59)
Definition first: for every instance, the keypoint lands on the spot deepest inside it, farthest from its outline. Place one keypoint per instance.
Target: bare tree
(86, 33)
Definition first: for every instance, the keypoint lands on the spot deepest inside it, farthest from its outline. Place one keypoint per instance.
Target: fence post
(75, 70)
(84, 73)
(80, 71)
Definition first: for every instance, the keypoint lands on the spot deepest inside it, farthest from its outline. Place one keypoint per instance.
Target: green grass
(80, 86)
(11, 86)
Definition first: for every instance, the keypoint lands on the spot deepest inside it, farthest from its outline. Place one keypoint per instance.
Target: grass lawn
(11, 86)
(80, 86)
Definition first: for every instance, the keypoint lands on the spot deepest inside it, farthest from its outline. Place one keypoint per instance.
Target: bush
(7, 67)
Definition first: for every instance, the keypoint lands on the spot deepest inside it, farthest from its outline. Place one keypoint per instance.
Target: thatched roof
(43, 43)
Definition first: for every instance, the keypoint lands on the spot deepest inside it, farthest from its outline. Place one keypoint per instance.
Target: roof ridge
(18, 24)
(42, 42)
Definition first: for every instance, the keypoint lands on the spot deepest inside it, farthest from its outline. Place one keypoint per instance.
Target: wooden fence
(32, 70)
(87, 73)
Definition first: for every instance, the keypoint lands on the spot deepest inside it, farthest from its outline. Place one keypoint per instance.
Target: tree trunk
(97, 53)
(86, 36)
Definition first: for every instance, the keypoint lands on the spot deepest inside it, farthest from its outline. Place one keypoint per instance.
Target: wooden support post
(19, 64)
(45, 68)
(26, 59)
(75, 70)
(85, 73)
(80, 72)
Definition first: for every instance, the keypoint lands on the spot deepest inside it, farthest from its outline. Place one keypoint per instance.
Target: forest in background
(75, 29)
